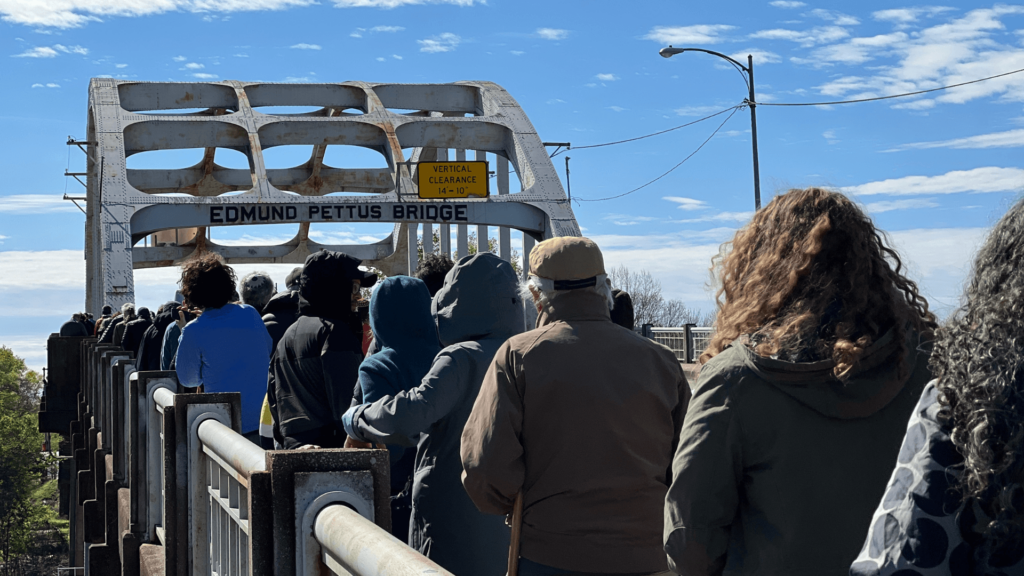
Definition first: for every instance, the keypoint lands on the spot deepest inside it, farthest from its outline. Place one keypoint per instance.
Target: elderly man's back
(583, 417)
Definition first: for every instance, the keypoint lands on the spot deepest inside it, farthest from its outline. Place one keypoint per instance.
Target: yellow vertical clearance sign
(452, 179)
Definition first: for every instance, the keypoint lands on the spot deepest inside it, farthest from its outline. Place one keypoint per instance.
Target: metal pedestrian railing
(350, 544)
(163, 482)
(686, 342)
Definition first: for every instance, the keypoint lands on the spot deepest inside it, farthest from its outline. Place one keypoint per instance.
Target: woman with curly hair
(803, 395)
(227, 348)
(955, 502)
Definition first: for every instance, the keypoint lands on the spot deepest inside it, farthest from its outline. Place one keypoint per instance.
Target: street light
(749, 101)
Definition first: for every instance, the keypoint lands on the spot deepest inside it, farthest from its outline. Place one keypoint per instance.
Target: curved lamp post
(748, 72)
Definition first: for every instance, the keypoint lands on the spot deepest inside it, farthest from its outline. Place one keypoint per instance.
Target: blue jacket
(227, 349)
(405, 332)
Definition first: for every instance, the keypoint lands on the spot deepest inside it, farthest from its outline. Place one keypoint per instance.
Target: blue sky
(934, 170)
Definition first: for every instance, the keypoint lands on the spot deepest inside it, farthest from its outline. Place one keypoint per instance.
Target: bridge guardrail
(349, 544)
(166, 483)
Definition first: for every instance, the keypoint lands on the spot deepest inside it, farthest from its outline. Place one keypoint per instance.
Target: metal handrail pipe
(163, 397)
(363, 548)
(232, 448)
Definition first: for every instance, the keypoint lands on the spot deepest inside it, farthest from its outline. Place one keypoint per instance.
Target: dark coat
(281, 312)
(478, 308)
(148, 356)
(109, 328)
(315, 366)
(133, 334)
(780, 465)
(73, 328)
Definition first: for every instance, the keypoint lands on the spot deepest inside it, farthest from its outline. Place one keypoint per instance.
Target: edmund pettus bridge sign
(446, 152)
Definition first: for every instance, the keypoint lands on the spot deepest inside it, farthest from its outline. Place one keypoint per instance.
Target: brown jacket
(583, 417)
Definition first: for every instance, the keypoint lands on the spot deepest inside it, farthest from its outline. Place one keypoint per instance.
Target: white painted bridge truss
(142, 218)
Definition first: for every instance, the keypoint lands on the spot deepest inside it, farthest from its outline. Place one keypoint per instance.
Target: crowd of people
(836, 427)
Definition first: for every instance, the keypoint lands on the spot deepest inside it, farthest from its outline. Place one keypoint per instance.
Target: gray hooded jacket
(478, 308)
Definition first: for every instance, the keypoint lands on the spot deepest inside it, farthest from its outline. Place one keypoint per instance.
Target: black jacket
(133, 333)
(281, 312)
(73, 328)
(109, 328)
(148, 356)
(315, 365)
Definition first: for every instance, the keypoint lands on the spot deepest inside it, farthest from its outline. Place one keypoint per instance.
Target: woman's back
(798, 463)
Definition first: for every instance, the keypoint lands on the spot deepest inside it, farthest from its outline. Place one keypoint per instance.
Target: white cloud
(193, 66)
(687, 203)
(396, 56)
(388, 4)
(1008, 139)
(736, 217)
(304, 46)
(36, 203)
(179, 58)
(445, 42)
(552, 33)
(760, 56)
(853, 51)
(606, 77)
(806, 38)
(381, 59)
(77, 13)
(790, 4)
(696, 34)
(47, 85)
(988, 179)
(908, 15)
(120, 65)
(838, 18)
(356, 34)
(890, 205)
(939, 260)
(617, 108)
(830, 136)
(962, 49)
(71, 49)
(387, 29)
(204, 76)
(37, 52)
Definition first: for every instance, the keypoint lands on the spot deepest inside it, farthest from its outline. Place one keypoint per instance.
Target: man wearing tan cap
(582, 416)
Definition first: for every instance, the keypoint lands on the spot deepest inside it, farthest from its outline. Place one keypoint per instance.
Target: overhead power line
(720, 112)
(681, 162)
(904, 95)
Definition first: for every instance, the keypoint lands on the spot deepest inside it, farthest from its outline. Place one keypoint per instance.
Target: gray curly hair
(256, 289)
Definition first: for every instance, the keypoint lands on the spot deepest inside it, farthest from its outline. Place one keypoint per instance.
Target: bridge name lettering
(342, 212)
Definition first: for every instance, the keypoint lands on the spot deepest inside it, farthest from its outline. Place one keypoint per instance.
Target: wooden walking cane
(517, 528)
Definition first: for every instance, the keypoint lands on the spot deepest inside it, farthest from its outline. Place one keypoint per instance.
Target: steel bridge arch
(173, 209)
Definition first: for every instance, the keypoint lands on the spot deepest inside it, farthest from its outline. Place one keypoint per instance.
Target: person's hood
(400, 313)
(326, 286)
(480, 299)
(165, 318)
(287, 301)
(876, 380)
(404, 328)
(144, 314)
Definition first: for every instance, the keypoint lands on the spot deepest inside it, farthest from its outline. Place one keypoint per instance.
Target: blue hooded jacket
(404, 329)
(403, 326)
